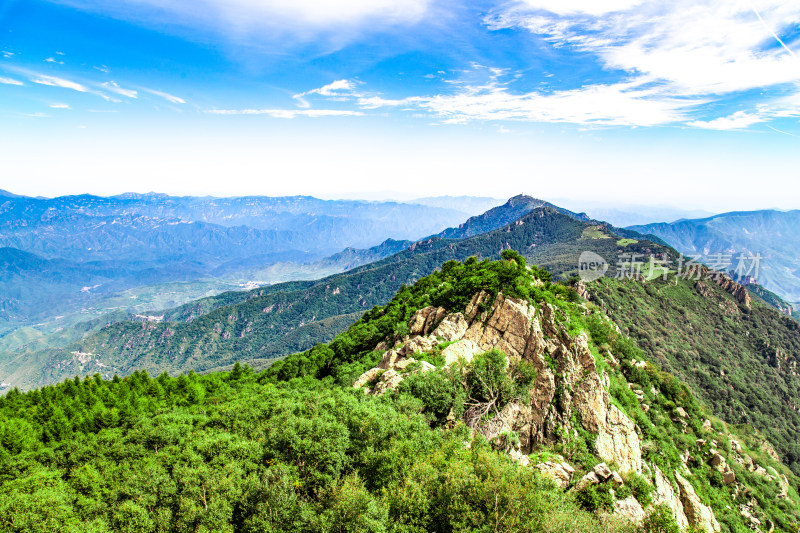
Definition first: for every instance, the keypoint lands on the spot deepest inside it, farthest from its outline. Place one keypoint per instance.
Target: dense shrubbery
(224, 453)
(295, 448)
(735, 359)
(475, 391)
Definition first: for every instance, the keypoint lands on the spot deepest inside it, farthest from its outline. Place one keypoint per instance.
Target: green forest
(297, 448)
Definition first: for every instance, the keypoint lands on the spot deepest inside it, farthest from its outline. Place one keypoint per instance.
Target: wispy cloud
(63, 83)
(592, 7)
(10, 81)
(685, 48)
(60, 106)
(6, 54)
(288, 113)
(166, 96)
(114, 88)
(736, 121)
(278, 22)
(54, 60)
(52, 81)
(484, 95)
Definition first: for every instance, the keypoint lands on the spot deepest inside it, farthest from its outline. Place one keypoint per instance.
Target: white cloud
(166, 96)
(736, 121)
(340, 90)
(10, 81)
(102, 68)
(490, 98)
(621, 104)
(52, 81)
(593, 7)
(6, 54)
(336, 88)
(54, 60)
(60, 106)
(689, 48)
(114, 88)
(288, 113)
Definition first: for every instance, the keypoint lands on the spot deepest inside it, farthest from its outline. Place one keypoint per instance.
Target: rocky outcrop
(618, 442)
(567, 379)
(464, 350)
(631, 509)
(390, 373)
(665, 493)
(451, 328)
(698, 514)
(425, 320)
(734, 289)
(557, 470)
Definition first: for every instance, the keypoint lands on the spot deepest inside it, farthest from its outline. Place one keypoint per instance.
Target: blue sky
(692, 103)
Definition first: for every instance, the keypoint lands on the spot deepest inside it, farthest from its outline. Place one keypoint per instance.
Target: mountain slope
(772, 234)
(740, 358)
(214, 332)
(496, 217)
(497, 405)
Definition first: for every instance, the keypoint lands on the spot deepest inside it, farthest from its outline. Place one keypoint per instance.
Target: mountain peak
(8, 194)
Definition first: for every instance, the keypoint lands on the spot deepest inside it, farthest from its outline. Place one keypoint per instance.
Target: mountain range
(75, 255)
(658, 400)
(771, 235)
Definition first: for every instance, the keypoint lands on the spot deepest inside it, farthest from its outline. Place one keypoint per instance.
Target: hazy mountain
(135, 240)
(772, 234)
(494, 218)
(623, 215)
(285, 318)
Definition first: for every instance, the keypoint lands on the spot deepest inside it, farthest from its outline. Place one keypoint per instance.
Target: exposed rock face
(665, 493)
(508, 329)
(698, 515)
(451, 328)
(367, 376)
(559, 472)
(390, 373)
(464, 349)
(736, 290)
(425, 320)
(618, 442)
(567, 377)
(631, 509)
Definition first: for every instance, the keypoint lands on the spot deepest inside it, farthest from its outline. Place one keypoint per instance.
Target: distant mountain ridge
(496, 217)
(140, 239)
(774, 235)
(284, 318)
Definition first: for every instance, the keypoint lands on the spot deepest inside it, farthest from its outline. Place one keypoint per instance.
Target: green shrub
(438, 391)
(660, 520)
(596, 498)
(640, 488)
